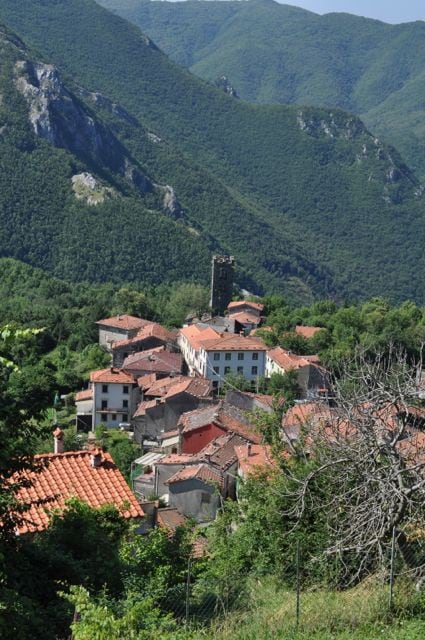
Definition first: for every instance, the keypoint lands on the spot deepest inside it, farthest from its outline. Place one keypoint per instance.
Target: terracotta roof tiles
(287, 360)
(87, 394)
(233, 342)
(257, 306)
(124, 322)
(151, 330)
(244, 317)
(253, 457)
(111, 375)
(199, 472)
(198, 387)
(154, 360)
(70, 475)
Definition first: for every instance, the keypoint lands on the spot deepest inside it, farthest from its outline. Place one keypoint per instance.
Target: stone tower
(222, 274)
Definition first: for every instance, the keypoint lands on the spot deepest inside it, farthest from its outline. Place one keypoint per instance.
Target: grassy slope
(311, 205)
(358, 614)
(277, 53)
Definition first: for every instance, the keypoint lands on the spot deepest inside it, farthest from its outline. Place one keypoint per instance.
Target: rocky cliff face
(59, 117)
(392, 173)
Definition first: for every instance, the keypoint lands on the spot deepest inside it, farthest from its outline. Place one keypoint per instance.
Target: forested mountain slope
(278, 53)
(56, 158)
(307, 199)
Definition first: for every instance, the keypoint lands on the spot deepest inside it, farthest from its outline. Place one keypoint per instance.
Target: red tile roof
(125, 322)
(220, 415)
(244, 317)
(141, 409)
(111, 375)
(253, 457)
(154, 360)
(176, 458)
(232, 342)
(87, 394)
(171, 518)
(300, 414)
(199, 472)
(220, 453)
(152, 330)
(146, 381)
(196, 335)
(198, 387)
(198, 418)
(257, 306)
(307, 332)
(287, 360)
(69, 475)
(162, 386)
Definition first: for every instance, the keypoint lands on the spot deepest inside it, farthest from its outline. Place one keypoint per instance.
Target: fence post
(298, 585)
(390, 595)
(188, 592)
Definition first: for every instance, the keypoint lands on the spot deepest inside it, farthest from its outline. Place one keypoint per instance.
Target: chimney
(249, 449)
(96, 458)
(58, 436)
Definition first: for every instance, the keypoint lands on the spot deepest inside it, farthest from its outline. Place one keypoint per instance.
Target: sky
(393, 11)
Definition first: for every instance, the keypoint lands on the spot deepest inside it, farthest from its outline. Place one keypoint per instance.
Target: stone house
(122, 327)
(149, 337)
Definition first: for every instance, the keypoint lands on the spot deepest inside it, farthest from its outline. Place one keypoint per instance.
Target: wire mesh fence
(393, 585)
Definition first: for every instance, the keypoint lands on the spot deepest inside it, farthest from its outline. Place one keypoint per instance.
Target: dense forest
(275, 53)
(331, 210)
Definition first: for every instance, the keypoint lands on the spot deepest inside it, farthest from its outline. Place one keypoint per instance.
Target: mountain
(308, 200)
(278, 53)
(72, 199)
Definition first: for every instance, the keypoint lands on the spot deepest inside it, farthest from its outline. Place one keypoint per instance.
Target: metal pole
(188, 593)
(298, 584)
(390, 595)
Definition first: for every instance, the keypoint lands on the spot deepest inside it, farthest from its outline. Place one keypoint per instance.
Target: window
(216, 370)
(254, 371)
(114, 416)
(240, 369)
(241, 356)
(216, 356)
(125, 404)
(125, 417)
(104, 404)
(226, 370)
(104, 388)
(125, 388)
(255, 356)
(103, 417)
(228, 356)
(205, 498)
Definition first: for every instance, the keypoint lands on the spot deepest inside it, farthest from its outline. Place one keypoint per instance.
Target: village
(171, 393)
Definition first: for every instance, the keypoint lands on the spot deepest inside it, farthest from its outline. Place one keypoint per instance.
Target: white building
(212, 355)
(115, 397)
(313, 379)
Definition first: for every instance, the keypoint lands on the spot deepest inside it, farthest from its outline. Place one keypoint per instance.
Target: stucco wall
(195, 499)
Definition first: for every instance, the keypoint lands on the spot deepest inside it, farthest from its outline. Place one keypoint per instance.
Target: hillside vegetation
(278, 53)
(308, 201)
